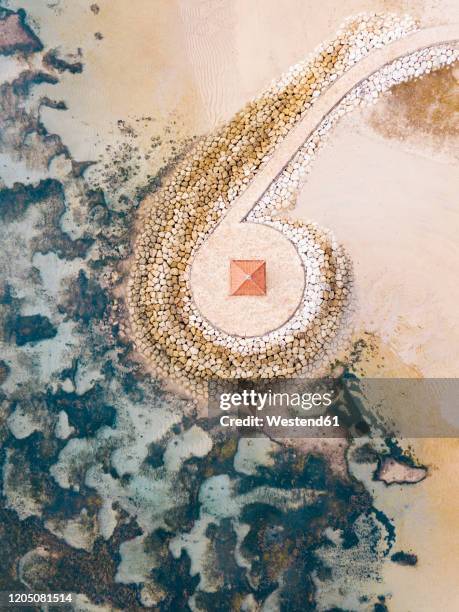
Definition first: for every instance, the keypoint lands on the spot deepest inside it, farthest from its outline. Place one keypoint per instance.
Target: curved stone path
(238, 174)
(236, 238)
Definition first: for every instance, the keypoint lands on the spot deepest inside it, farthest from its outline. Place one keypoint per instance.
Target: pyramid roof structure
(247, 277)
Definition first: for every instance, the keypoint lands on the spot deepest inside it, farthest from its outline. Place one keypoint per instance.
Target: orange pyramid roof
(247, 277)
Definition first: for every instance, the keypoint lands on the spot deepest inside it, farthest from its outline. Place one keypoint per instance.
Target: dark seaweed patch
(389, 526)
(225, 539)
(30, 328)
(365, 454)
(155, 457)
(15, 201)
(54, 104)
(49, 193)
(84, 299)
(132, 388)
(87, 412)
(174, 577)
(79, 167)
(51, 59)
(403, 558)
(402, 455)
(292, 470)
(7, 297)
(57, 241)
(22, 85)
(380, 606)
(4, 371)
(220, 460)
(39, 452)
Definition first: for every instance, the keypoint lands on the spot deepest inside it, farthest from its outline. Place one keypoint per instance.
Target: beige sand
(195, 62)
(199, 62)
(425, 517)
(395, 211)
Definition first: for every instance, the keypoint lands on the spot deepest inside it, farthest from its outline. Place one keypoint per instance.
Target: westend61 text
(278, 421)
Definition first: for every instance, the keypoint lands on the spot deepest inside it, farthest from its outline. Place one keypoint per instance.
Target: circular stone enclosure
(252, 315)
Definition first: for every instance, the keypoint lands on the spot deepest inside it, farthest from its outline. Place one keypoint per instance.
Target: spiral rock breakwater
(168, 329)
